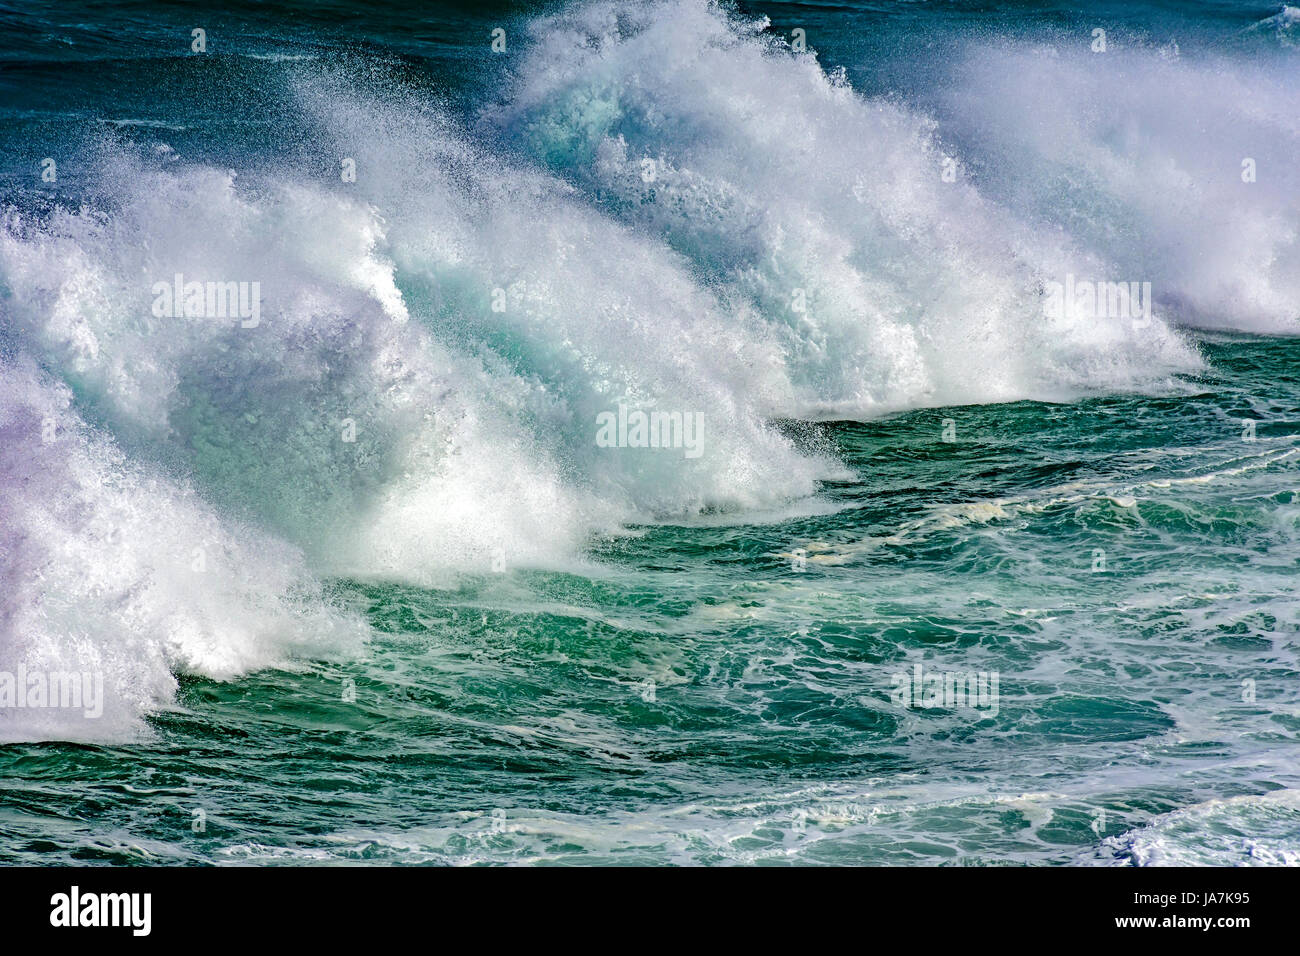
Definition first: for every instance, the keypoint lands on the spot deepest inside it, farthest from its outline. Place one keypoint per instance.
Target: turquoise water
(465, 631)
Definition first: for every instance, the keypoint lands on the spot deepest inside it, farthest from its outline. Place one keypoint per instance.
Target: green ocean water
(364, 586)
(511, 719)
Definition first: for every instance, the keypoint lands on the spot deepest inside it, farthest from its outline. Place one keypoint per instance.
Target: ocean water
(355, 576)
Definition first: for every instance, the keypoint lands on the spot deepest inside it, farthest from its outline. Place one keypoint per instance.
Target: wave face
(110, 569)
(664, 208)
(1182, 170)
(829, 214)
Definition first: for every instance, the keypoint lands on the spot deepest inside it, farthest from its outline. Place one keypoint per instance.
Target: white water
(474, 428)
(1139, 155)
(110, 569)
(774, 176)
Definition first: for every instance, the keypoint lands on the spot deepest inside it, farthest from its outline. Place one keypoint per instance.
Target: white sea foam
(1239, 831)
(375, 430)
(825, 213)
(1142, 158)
(475, 427)
(112, 570)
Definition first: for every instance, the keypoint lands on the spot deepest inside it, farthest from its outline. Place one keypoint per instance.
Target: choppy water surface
(460, 629)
